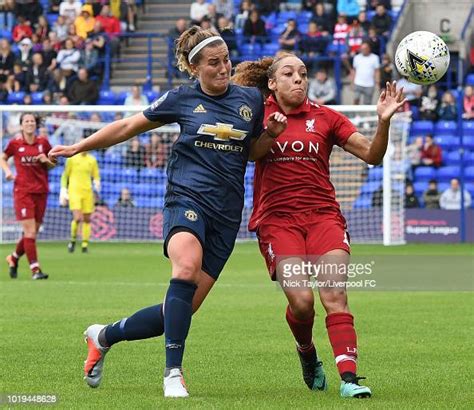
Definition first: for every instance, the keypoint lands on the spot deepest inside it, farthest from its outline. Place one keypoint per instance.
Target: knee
(187, 270)
(302, 308)
(334, 300)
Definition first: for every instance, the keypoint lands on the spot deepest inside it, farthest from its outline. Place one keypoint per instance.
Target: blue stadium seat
(375, 173)
(55, 173)
(337, 48)
(37, 97)
(7, 202)
(469, 172)
(154, 175)
(452, 158)
(447, 141)
(53, 202)
(16, 97)
(304, 17)
(469, 186)
(468, 158)
(108, 174)
(145, 202)
(7, 188)
(148, 190)
(54, 187)
(446, 128)
(425, 173)
(283, 16)
(270, 49)
(107, 188)
(51, 17)
(7, 34)
(448, 173)
(113, 159)
(468, 128)
(363, 202)
(470, 79)
(420, 187)
(370, 187)
(421, 127)
(468, 142)
(120, 97)
(415, 113)
(248, 49)
(370, 14)
(151, 95)
(128, 175)
(443, 186)
(106, 97)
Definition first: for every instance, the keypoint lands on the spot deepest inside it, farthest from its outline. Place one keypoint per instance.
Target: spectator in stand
(374, 41)
(111, 26)
(85, 22)
(290, 37)
(135, 99)
(206, 24)
(3, 92)
(244, 12)
(47, 100)
(135, 154)
(413, 152)
(77, 39)
(365, 74)
(27, 100)
(29, 9)
(37, 76)
(70, 10)
(265, 7)
(36, 46)
(225, 8)
(7, 59)
(224, 27)
(254, 28)
(49, 55)
(308, 5)
(180, 26)
(382, 21)
(364, 23)
(198, 11)
(321, 89)
(42, 28)
(431, 154)
(314, 42)
(451, 198)
(387, 71)
(468, 103)
(99, 39)
(96, 6)
(57, 82)
(131, 14)
(19, 78)
(372, 4)
(355, 38)
(68, 58)
(447, 110)
(90, 59)
(322, 19)
(56, 44)
(53, 6)
(212, 15)
(411, 201)
(155, 154)
(412, 91)
(349, 8)
(21, 30)
(125, 200)
(24, 58)
(341, 30)
(431, 196)
(83, 90)
(429, 104)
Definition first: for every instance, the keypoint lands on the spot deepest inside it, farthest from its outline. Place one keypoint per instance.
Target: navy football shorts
(217, 239)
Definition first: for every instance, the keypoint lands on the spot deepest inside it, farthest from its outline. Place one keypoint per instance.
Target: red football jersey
(294, 175)
(31, 175)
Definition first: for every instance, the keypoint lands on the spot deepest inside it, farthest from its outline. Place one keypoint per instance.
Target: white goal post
(371, 198)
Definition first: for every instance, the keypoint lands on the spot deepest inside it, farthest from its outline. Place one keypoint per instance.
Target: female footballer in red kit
(296, 215)
(29, 152)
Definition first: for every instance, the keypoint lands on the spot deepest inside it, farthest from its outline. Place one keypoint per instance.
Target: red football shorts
(30, 206)
(312, 233)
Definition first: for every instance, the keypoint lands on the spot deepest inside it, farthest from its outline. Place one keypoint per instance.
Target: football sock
(302, 329)
(19, 250)
(30, 250)
(178, 312)
(343, 338)
(74, 225)
(86, 233)
(146, 323)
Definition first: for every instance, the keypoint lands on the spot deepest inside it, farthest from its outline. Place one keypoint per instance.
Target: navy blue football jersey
(208, 160)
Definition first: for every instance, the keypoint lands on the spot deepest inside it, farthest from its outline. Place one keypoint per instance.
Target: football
(422, 57)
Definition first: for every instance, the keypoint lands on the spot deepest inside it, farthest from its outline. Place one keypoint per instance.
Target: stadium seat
(113, 159)
(7, 34)
(443, 186)
(151, 95)
(37, 97)
(375, 173)
(452, 158)
(128, 175)
(468, 128)
(284, 16)
(425, 173)
(468, 142)
(415, 113)
(447, 173)
(154, 175)
(370, 187)
(469, 172)
(147, 190)
(420, 187)
(304, 17)
(106, 97)
(109, 174)
(120, 97)
(54, 187)
(270, 49)
(446, 128)
(55, 173)
(7, 188)
(363, 202)
(7, 202)
(16, 97)
(146, 202)
(468, 158)
(469, 186)
(252, 50)
(447, 141)
(421, 127)
(470, 79)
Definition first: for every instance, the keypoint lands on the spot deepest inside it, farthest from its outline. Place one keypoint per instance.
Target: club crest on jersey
(310, 125)
(245, 112)
(222, 132)
(191, 215)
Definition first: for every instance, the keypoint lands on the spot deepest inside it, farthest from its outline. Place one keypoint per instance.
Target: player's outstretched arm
(112, 134)
(276, 124)
(4, 165)
(372, 152)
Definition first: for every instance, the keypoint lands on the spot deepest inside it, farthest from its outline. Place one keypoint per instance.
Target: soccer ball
(422, 57)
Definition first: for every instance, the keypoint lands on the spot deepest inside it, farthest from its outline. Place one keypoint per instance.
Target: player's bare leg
(300, 319)
(30, 229)
(76, 221)
(340, 325)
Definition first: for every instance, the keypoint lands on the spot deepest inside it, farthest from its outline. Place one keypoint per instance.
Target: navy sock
(145, 323)
(178, 313)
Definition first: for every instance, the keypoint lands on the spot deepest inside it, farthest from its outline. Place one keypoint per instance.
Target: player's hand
(390, 101)
(96, 185)
(62, 151)
(9, 176)
(276, 124)
(63, 197)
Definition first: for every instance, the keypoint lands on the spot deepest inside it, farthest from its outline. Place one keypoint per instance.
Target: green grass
(415, 347)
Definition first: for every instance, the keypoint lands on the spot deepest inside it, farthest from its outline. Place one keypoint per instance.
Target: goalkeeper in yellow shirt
(76, 187)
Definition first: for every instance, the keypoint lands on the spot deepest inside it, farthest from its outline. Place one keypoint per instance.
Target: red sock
(30, 249)
(343, 340)
(302, 330)
(20, 250)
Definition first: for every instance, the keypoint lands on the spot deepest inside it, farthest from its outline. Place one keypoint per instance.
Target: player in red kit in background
(296, 215)
(30, 189)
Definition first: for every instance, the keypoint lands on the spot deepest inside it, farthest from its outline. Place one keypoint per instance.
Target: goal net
(371, 198)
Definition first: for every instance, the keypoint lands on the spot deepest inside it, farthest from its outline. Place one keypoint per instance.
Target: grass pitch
(414, 347)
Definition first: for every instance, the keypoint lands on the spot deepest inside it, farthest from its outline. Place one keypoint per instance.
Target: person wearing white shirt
(365, 74)
(70, 9)
(451, 198)
(199, 9)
